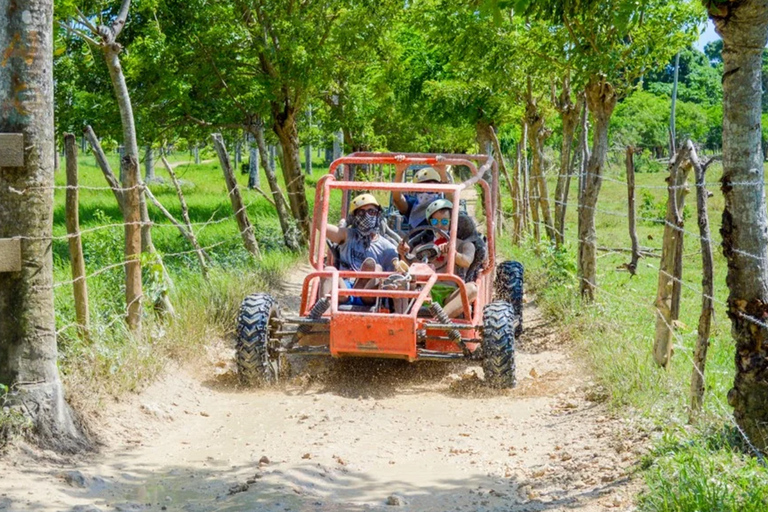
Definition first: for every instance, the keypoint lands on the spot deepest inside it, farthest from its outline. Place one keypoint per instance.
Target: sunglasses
(371, 212)
(442, 222)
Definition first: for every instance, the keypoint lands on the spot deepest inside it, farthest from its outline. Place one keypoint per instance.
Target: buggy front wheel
(258, 361)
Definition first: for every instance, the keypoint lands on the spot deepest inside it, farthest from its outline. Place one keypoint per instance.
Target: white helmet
(437, 205)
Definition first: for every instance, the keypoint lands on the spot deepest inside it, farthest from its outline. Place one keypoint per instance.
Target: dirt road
(348, 436)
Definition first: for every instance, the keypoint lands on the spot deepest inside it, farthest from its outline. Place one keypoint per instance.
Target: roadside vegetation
(707, 466)
(113, 361)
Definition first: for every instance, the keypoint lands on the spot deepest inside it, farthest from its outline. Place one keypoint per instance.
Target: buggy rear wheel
(498, 344)
(508, 286)
(258, 361)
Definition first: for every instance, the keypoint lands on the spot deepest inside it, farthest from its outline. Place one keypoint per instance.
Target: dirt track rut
(348, 436)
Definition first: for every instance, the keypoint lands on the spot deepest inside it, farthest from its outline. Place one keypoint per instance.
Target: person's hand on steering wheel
(428, 250)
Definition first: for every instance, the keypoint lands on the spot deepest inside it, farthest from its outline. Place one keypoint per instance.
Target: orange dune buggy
(402, 321)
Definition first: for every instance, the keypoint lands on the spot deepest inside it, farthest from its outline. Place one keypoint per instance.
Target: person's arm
(336, 234)
(397, 197)
(465, 253)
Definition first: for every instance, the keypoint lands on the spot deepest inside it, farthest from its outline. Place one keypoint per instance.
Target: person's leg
(369, 265)
(325, 284)
(453, 306)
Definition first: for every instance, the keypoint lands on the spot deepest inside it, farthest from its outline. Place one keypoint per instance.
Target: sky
(707, 36)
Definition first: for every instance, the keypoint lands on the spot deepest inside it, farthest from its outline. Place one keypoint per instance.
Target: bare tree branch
(80, 34)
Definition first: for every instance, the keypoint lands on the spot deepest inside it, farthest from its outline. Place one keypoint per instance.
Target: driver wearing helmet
(438, 214)
(361, 247)
(414, 206)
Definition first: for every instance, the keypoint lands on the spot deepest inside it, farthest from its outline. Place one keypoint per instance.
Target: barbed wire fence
(632, 301)
(106, 230)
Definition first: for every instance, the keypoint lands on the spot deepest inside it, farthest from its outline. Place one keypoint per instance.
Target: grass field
(709, 466)
(113, 363)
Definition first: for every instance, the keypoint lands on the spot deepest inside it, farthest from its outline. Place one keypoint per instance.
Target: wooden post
(632, 265)
(75, 244)
(707, 288)
(132, 217)
(669, 273)
(246, 230)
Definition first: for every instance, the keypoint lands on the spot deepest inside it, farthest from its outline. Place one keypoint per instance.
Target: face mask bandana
(367, 225)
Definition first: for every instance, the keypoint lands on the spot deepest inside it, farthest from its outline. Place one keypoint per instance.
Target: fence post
(707, 289)
(246, 230)
(132, 217)
(669, 270)
(632, 265)
(77, 262)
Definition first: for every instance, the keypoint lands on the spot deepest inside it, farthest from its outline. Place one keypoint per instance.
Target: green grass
(113, 362)
(686, 471)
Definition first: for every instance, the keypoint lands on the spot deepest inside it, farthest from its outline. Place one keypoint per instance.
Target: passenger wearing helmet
(414, 206)
(361, 247)
(438, 215)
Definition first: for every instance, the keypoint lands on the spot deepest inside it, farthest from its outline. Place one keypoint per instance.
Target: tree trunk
(601, 100)
(569, 114)
(707, 289)
(669, 272)
(77, 262)
(246, 229)
(537, 134)
(583, 148)
(132, 218)
(524, 174)
(290, 233)
(254, 178)
(518, 214)
(28, 349)
(284, 125)
(744, 29)
(131, 149)
(149, 164)
(631, 210)
(308, 159)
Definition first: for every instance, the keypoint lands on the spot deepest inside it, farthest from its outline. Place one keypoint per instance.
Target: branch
(101, 159)
(122, 17)
(85, 21)
(79, 33)
(208, 124)
(264, 194)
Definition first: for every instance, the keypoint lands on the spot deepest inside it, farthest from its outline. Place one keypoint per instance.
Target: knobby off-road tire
(257, 362)
(498, 344)
(509, 287)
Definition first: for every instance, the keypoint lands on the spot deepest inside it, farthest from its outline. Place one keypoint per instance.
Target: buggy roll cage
(400, 160)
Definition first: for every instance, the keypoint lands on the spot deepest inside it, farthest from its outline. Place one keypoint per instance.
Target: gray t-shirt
(353, 252)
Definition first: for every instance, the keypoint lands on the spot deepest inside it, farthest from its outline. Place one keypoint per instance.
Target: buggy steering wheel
(428, 250)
